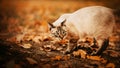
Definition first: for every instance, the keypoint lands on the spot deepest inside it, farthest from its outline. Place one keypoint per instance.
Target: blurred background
(25, 40)
(16, 16)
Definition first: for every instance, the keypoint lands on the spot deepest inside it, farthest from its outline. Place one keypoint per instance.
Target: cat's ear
(50, 25)
(63, 23)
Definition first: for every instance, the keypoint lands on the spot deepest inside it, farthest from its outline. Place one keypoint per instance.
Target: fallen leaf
(59, 48)
(64, 41)
(75, 53)
(98, 58)
(110, 65)
(113, 38)
(47, 46)
(41, 48)
(47, 49)
(28, 38)
(66, 58)
(46, 37)
(31, 61)
(37, 39)
(57, 58)
(26, 45)
(12, 39)
(53, 47)
(80, 53)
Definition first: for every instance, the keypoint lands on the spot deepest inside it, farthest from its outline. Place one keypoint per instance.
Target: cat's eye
(63, 32)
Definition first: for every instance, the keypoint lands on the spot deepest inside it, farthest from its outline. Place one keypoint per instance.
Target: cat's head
(58, 31)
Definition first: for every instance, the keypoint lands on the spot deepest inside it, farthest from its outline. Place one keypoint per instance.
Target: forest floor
(25, 41)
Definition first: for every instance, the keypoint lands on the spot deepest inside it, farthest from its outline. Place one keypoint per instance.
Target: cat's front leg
(71, 46)
(68, 49)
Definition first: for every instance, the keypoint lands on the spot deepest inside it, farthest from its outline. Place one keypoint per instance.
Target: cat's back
(93, 19)
(88, 13)
(93, 10)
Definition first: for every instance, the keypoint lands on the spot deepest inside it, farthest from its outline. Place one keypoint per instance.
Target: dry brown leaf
(110, 65)
(80, 53)
(26, 45)
(50, 47)
(75, 53)
(98, 58)
(59, 48)
(31, 61)
(53, 47)
(19, 38)
(57, 58)
(28, 38)
(64, 41)
(47, 46)
(12, 39)
(66, 58)
(46, 37)
(113, 38)
(37, 39)
(41, 48)
(42, 37)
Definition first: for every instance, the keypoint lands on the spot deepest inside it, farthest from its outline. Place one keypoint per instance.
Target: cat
(94, 21)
